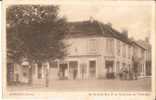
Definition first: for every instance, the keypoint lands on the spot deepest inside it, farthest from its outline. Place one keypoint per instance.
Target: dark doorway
(92, 68)
(63, 68)
(109, 67)
(73, 67)
(83, 70)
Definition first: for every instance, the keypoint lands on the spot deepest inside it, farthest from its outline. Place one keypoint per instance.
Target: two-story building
(94, 51)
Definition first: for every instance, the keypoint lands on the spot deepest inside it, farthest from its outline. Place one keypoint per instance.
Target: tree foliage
(35, 32)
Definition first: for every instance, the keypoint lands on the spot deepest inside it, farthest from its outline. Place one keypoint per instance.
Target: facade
(96, 57)
(139, 59)
(148, 56)
(94, 51)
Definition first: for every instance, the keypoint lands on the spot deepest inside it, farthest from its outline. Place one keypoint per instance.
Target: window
(118, 48)
(142, 53)
(92, 45)
(124, 50)
(110, 46)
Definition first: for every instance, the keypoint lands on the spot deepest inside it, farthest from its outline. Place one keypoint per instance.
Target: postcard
(79, 48)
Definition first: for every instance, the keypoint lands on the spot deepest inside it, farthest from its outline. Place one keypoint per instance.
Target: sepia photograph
(71, 47)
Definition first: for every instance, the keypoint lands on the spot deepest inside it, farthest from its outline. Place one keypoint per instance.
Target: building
(95, 51)
(146, 44)
(139, 59)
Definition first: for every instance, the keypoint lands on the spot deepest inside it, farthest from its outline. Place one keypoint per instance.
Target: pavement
(89, 85)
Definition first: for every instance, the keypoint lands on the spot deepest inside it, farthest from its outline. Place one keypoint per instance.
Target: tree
(35, 32)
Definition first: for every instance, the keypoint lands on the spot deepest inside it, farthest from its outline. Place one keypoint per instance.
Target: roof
(144, 44)
(94, 28)
(139, 45)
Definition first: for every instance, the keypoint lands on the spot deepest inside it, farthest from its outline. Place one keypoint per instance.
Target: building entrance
(63, 71)
(109, 69)
(92, 69)
(73, 69)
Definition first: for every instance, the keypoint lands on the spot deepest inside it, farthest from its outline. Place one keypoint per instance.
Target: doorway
(73, 69)
(63, 71)
(109, 69)
(92, 69)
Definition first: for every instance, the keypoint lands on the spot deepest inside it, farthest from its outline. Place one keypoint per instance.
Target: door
(62, 71)
(53, 71)
(109, 69)
(92, 69)
(73, 69)
(83, 71)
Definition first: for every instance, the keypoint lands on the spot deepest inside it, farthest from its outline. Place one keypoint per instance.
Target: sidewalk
(89, 85)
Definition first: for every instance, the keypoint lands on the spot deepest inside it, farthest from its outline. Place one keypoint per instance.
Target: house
(94, 50)
(139, 58)
(146, 44)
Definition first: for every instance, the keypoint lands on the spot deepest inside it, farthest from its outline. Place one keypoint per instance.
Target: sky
(136, 18)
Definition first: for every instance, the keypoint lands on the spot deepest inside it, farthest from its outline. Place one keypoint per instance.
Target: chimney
(147, 39)
(125, 33)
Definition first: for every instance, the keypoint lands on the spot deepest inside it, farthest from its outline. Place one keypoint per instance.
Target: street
(89, 85)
